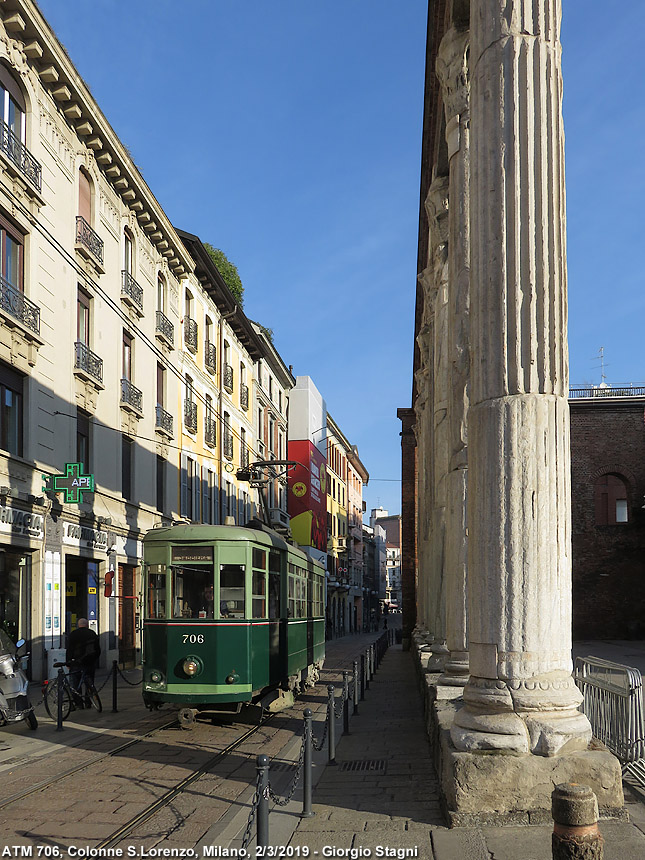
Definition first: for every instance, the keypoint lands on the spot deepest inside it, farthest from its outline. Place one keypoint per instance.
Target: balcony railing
(86, 237)
(165, 328)
(210, 431)
(131, 290)
(607, 391)
(163, 420)
(14, 303)
(190, 415)
(19, 155)
(228, 444)
(244, 397)
(131, 396)
(228, 378)
(88, 361)
(210, 356)
(190, 334)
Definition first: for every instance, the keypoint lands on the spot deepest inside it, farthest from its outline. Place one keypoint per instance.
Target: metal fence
(613, 702)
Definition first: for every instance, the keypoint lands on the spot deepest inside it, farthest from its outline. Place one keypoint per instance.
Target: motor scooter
(14, 698)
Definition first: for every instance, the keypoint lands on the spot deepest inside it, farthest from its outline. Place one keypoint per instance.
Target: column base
(456, 671)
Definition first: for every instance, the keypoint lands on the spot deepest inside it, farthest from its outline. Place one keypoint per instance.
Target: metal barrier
(613, 702)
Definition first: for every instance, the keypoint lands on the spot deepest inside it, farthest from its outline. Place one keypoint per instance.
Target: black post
(345, 702)
(308, 760)
(61, 686)
(331, 729)
(262, 838)
(362, 677)
(367, 669)
(355, 689)
(114, 671)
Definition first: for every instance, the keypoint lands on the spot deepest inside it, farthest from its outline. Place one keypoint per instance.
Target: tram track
(46, 783)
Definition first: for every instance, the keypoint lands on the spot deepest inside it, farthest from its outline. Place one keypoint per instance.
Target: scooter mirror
(20, 643)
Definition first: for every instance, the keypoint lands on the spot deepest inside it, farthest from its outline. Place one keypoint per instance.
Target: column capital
(452, 71)
(436, 204)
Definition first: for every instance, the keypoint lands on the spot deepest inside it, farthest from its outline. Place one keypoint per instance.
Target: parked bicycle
(85, 695)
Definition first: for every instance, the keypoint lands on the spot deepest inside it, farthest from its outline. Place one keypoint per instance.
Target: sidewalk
(395, 803)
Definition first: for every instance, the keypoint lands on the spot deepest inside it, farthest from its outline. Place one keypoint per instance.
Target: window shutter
(183, 501)
(196, 496)
(206, 513)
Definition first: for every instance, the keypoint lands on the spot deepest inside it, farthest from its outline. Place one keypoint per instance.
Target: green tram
(232, 615)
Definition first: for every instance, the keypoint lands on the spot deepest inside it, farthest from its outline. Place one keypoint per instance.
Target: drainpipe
(222, 320)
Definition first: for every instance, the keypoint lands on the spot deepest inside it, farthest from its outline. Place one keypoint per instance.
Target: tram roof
(197, 534)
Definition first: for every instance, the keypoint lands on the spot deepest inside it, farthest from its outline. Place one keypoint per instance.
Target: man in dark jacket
(83, 650)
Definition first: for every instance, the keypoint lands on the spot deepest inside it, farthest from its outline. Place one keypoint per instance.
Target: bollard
(61, 686)
(262, 838)
(307, 764)
(575, 823)
(114, 671)
(362, 677)
(367, 669)
(355, 688)
(331, 731)
(345, 702)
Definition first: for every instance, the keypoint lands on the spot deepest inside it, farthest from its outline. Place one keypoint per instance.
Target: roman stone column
(452, 70)
(520, 696)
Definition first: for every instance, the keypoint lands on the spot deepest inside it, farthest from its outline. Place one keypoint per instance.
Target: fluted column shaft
(520, 695)
(452, 70)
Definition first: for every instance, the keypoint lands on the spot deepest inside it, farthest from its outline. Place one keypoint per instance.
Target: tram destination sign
(73, 483)
(192, 553)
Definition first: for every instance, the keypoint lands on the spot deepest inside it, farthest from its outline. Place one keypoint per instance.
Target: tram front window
(156, 591)
(231, 590)
(192, 589)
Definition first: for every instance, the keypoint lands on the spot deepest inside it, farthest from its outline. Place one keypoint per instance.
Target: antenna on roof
(603, 375)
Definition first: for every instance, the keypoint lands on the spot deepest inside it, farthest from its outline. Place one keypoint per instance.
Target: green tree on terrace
(228, 271)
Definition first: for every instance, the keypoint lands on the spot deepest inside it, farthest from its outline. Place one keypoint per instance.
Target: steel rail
(14, 798)
(170, 795)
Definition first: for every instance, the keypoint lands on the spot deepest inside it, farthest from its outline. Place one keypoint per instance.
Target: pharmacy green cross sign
(73, 483)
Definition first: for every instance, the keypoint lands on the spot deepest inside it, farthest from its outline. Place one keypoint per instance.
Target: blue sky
(288, 133)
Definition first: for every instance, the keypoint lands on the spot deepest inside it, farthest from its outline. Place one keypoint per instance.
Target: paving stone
(464, 843)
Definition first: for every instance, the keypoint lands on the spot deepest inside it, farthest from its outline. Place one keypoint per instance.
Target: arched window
(161, 294)
(12, 104)
(611, 500)
(128, 253)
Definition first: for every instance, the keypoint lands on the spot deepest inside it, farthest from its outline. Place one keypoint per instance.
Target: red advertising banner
(307, 499)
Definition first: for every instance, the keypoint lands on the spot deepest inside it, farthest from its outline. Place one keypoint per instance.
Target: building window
(126, 467)
(127, 356)
(161, 385)
(83, 440)
(611, 500)
(83, 317)
(84, 196)
(161, 294)
(11, 249)
(12, 104)
(128, 253)
(11, 400)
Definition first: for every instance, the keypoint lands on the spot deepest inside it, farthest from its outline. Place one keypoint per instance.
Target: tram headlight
(191, 667)
(155, 677)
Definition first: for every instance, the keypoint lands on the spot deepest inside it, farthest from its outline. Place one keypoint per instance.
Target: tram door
(277, 629)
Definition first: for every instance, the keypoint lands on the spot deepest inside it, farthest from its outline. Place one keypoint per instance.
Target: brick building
(608, 520)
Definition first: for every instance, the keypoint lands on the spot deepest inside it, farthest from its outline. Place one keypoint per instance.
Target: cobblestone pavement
(379, 799)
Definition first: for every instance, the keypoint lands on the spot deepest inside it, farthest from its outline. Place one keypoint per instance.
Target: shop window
(611, 500)
(11, 408)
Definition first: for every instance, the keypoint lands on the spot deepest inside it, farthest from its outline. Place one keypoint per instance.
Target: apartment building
(125, 365)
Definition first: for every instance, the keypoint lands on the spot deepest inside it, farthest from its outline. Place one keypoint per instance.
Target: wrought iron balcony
(131, 291)
(228, 444)
(163, 420)
(210, 431)
(190, 415)
(88, 361)
(19, 156)
(131, 396)
(190, 334)
(164, 328)
(210, 356)
(228, 378)
(14, 303)
(244, 397)
(87, 238)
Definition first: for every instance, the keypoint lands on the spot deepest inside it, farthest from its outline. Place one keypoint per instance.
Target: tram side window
(259, 594)
(274, 585)
(292, 597)
(156, 592)
(231, 590)
(192, 592)
(300, 592)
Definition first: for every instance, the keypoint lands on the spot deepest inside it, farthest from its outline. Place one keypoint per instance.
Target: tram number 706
(194, 638)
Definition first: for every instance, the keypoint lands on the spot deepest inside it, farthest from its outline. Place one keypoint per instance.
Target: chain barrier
(107, 678)
(252, 813)
(131, 683)
(318, 746)
(283, 801)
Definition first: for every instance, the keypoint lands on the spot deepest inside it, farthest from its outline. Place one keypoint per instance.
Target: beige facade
(98, 361)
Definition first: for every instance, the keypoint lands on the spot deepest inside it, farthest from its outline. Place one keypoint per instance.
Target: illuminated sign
(73, 483)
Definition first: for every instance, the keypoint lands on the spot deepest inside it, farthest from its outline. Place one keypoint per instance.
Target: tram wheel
(186, 718)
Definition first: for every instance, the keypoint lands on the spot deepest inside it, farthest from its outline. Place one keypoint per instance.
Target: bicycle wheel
(91, 693)
(51, 701)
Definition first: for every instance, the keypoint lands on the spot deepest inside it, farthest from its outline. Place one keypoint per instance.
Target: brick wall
(608, 560)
